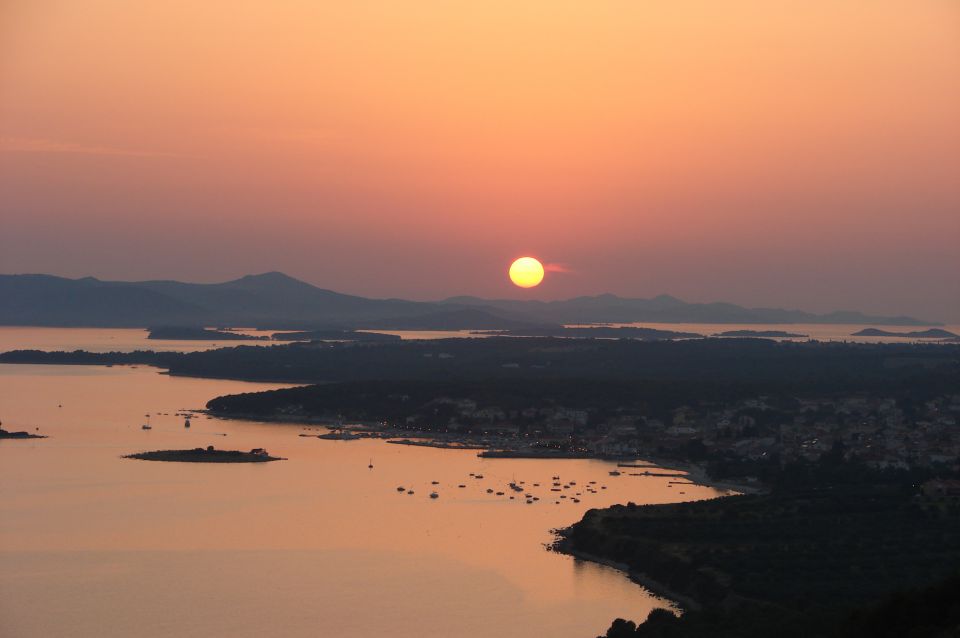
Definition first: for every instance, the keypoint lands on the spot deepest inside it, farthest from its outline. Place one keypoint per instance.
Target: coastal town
(878, 431)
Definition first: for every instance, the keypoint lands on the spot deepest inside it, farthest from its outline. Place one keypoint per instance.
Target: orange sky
(801, 154)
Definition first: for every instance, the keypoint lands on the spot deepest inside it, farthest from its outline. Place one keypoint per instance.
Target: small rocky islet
(206, 455)
(6, 434)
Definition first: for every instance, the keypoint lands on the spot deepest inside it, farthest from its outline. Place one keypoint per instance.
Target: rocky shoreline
(679, 601)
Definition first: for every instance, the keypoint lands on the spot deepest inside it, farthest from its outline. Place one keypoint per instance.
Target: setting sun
(526, 272)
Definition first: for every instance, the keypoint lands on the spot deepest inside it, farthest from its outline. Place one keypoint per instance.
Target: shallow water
(97, 545)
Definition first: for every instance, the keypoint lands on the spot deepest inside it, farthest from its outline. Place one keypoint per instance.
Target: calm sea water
(130, 339)
(92, 544)
(95, 545)
(817, 331)
(105, 340)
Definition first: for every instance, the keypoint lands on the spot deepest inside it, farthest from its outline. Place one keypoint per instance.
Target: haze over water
(131, 339)
(94, 544)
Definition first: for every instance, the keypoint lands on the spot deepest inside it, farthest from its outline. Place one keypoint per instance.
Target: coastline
(699, 476)
(696, 473)
(679, 601)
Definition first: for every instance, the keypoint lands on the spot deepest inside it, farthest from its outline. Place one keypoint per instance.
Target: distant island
(189, 333)
(206, 455)
(182, 333)
(773, 334)
(597, 332)
(334, 335)
(4, 434)
(932, 333)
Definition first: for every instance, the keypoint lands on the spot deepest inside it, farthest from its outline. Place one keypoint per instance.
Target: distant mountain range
(664, 308)
(274, 300)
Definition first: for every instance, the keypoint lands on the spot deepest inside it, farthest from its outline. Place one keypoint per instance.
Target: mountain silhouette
(275, 300)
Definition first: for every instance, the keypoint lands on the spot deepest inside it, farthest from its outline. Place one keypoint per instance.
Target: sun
(526, 272)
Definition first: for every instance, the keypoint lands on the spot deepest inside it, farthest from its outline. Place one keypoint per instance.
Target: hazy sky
(777, 153)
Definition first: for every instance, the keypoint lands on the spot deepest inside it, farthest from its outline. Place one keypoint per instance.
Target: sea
(319, 544)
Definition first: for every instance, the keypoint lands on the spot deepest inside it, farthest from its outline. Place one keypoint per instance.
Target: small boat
(434, 482)
(434, 495)
(614, 473)
(146, 426)
(186, 423)
(501, 494)
(401, 489)
(489, 490)
(409, 491)
(461, 485)
(478, 476)
(370, 464)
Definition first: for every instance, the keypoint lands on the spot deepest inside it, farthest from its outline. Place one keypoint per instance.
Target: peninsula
(186, 333)
(767, 334)
(832, 539)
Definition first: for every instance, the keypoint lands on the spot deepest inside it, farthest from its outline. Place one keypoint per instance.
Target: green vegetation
(928, 612)
(763, 366)
(795, 562)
